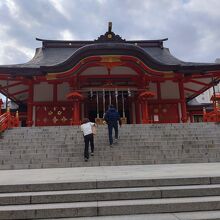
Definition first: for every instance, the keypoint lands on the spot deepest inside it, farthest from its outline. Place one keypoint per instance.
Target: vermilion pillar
(137, 112)
(182, 102)
(30, 105)
(76, 112)
(144, 107)
(144, 110)
(77, 98)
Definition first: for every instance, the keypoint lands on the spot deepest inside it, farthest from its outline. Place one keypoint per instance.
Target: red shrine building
(69, 80)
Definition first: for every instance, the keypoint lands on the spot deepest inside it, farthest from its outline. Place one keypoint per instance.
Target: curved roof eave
(132, 50)
(109, 49)
(50, 59)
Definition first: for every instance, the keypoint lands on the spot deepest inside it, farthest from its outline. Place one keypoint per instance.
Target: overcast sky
(192, 26)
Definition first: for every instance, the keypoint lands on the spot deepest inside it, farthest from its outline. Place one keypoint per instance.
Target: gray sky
(192, 26)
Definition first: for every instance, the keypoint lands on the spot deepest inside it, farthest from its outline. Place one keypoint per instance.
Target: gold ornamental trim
(110, 59)
(51, 76)
(169, 75)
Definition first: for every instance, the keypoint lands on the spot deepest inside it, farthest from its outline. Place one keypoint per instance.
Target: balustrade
(7, 120)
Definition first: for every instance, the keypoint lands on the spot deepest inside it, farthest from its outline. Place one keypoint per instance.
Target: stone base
(124, 120)
(99, 121)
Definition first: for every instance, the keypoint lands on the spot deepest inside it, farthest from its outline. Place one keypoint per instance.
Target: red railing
(213, 116)
(7, 120)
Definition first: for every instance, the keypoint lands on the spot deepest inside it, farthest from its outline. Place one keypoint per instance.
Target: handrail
(8, 121)
(213, 116)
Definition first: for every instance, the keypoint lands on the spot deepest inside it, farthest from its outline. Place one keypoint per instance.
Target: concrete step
(43, 147)
(33, 186)
(110, 191)
(103, 208)
(198, 215)
(108, 194)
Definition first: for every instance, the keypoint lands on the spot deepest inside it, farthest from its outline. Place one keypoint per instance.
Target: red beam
(66, 103)
(202, 90)
(84, 77)
(163, 101)
(191, 90)
(12, 85)
(198, 82)
(19, 92)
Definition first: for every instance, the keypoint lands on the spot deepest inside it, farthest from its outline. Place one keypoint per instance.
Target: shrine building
(69, 80)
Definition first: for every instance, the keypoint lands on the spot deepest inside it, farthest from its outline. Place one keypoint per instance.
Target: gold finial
(8, 109)
(110, 26)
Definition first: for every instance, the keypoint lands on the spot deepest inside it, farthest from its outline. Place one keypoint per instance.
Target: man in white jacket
(86, 128)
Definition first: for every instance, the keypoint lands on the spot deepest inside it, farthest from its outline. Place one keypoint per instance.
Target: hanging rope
(97, 102)
(116, 98)
(110, 97)
(103, 96)
(123, 104)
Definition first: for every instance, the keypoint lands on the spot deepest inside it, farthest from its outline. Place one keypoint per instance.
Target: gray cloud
(192, 26)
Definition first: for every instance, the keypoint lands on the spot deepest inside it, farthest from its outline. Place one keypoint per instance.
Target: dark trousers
(88, 139)
(110, 128)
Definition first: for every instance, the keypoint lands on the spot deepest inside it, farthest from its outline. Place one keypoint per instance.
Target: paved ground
(105, 173)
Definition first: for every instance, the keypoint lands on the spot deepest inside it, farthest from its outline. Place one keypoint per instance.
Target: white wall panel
(153, 88)
(62, 90)
(43, 92)
(169, 90)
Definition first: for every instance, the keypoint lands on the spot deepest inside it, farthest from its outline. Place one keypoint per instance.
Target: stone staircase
(112, 198)
(53, 147)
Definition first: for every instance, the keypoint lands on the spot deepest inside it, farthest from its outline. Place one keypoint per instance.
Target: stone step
(105, 163)
(105, 139)
(111, 191)
(108, 194)
(42, 147)
(127, 134)
(112, 183)
(197, 215)
(103, 208)
(112, 160)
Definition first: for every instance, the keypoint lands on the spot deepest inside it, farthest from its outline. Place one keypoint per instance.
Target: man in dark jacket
(112, 118)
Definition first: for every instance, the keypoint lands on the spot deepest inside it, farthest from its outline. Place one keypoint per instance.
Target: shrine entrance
(98, 101)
